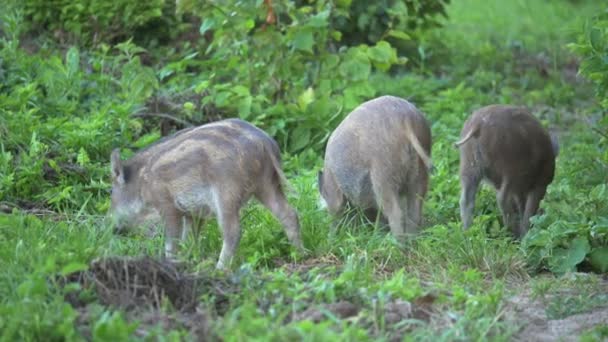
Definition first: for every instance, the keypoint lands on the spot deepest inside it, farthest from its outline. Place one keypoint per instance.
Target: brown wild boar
(378, 158)
(212, 169)
(509, 148)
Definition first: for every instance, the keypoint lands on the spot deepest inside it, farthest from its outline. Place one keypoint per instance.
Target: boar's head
(127, 207)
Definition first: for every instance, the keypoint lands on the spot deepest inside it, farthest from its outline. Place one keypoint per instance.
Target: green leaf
(300, 138)
(83, 157)
(356, 66)
(383, 55)
(207, 25)
(399, 35)
(147, 139)
(565, 259)
(598, 192)
(303, 40)
(382, 52)
(306, 98)
(319, 20)
(595, 39)
(72, 58)
(599, 259)
(336, 35)
(244, 107)
(73, 267)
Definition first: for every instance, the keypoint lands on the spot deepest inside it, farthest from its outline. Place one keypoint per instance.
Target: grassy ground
(360, 284)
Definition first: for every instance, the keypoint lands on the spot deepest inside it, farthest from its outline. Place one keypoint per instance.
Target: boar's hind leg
(414, 202)
(469, 185)
(389, 204)
(532, 203)
(273, 198)
(228, 219)
(508, 207)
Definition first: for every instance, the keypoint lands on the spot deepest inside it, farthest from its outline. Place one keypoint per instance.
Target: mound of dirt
(141, 287)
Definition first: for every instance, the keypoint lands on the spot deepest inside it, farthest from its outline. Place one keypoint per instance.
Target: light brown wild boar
(378, 158)
(509, 148)
(213, 169)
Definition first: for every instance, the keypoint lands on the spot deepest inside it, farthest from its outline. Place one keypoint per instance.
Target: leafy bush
(285, 77)
(94, 20)
(573, 231)
(592, 46)
(366, 22)
(64, 113)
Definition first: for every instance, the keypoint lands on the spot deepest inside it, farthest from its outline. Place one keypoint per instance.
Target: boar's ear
(320, 180)
(116, 165)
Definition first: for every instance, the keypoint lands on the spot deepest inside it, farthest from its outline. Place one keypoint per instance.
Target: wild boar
(379, 158)
(509, 148)
(213, 169)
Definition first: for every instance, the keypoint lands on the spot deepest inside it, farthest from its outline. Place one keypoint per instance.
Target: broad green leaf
(303, 40)
(565, 259)
(356, 66)
(241, 90)
(599, 259)
(383, 55)
(244, 107)
(330, 62)
(319, 20)
(300, 138)
(595, 39)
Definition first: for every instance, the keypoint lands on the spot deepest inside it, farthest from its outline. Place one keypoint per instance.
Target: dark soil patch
(142, 288)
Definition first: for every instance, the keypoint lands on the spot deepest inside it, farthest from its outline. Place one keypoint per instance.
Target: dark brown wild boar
(208, 170)
(507, 147)
(379, 158)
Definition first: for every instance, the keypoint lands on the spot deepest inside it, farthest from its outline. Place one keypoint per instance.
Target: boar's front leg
(508, 207)
(228, 218)
(273, 198)
(174, 228)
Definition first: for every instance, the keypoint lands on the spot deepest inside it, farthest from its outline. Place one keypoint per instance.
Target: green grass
(469, 274)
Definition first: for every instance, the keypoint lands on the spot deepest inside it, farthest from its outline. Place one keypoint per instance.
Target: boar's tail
(469, 135)
(421, 152)
(276, 165)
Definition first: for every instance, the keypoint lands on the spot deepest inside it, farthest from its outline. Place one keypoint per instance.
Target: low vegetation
(73, 88)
